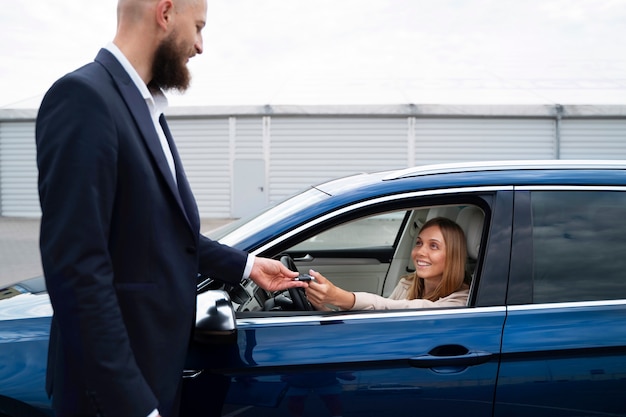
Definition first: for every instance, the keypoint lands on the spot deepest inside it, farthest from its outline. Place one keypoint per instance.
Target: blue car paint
(368, 364)
(24, 330)
(545, 363)
(376, 352)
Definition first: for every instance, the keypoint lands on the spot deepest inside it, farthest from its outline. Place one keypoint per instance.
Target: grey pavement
(19, 247)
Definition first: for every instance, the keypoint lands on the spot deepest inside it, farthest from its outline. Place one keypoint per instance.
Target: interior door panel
(363, 270)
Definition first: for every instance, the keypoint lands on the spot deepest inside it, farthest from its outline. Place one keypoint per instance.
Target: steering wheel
(298, 297)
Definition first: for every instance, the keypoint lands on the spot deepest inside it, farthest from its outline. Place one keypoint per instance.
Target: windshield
(239, 230)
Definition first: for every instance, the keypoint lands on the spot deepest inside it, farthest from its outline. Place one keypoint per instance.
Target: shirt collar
(156, 101)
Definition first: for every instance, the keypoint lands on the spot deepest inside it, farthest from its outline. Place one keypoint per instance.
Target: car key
(304, 278)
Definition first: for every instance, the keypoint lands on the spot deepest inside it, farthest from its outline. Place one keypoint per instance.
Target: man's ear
(164, 14)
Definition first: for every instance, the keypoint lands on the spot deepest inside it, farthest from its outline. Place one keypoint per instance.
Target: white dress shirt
(156, 102)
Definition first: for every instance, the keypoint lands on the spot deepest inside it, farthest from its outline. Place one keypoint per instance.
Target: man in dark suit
(120, 241)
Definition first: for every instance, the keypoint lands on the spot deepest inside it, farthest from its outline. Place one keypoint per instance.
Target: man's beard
(169, 68)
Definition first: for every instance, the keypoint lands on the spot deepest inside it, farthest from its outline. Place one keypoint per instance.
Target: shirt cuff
(247, 270)
(154, 413)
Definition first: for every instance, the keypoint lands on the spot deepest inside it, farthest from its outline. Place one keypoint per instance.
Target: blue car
(543, 332)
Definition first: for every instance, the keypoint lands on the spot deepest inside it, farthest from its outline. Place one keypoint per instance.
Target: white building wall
(18, 170)
(249, 137)
(242, 158)
(306, 151)
(249, 186)
(204, 147)
(593, 139)
(444, 140)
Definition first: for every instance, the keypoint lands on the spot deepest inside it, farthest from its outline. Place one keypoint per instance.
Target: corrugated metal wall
(287, 151)
(451, 140)
(205, 148)
(593, 139)
(308, 150)
(18, 170)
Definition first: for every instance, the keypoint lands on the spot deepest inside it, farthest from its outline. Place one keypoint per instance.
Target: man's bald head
(159, 36)
(134, 9)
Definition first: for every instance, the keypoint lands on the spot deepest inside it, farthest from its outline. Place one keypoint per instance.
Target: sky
(349, 52)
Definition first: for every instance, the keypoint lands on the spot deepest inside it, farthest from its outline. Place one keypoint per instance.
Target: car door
(564, 344)
(366, 363)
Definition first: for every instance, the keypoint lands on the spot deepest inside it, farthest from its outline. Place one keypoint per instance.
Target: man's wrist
(248, 268)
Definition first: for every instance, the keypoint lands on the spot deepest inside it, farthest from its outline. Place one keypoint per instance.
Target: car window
(579, 245)
(369, 232)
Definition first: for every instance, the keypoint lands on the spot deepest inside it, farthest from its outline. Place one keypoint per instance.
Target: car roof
(529, 172)
(560, 164)
(330, 197)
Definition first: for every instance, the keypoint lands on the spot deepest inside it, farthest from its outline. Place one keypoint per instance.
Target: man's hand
(271, 275)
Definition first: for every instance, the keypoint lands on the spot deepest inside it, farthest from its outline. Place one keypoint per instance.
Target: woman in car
(439, 256)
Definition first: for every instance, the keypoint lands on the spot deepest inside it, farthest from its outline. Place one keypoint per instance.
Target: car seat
(471, 220)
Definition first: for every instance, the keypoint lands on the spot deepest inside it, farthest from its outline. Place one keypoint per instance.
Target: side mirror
(215, 318)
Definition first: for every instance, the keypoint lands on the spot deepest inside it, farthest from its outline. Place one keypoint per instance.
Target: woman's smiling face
(429, 254)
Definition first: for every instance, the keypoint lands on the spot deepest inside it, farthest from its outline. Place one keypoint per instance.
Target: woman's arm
(322, 292)
(367, 301)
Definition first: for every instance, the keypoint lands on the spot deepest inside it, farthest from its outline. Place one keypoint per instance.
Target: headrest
(471, 221)
(450, 212)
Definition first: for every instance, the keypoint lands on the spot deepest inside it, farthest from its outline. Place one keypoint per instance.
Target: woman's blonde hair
(454, 269)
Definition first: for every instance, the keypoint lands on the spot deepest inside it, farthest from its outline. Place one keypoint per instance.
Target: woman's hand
(321, 292)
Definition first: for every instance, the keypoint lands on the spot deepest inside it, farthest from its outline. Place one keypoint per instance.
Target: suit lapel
(186, 195)
(139, 110)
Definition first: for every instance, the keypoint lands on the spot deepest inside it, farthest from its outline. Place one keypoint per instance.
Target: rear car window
(579, 245)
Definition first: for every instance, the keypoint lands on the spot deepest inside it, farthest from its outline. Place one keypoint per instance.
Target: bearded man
(120, 241)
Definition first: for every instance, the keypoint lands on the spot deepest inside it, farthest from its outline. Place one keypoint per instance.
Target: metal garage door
(593, 139)
(453, 139)
(204, 148)
(18, 170)
(308, 150)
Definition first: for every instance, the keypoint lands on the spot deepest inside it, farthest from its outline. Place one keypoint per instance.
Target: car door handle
(450, 355)
(305, 258)
(192, 373)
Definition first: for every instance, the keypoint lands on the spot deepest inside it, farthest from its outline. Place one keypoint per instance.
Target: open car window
(371, 253)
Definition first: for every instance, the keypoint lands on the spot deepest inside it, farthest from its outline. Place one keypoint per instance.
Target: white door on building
(249, 189)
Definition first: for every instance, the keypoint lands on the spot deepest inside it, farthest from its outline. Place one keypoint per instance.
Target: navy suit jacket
(120, 248)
